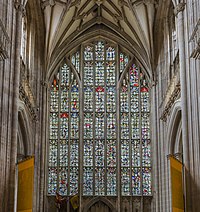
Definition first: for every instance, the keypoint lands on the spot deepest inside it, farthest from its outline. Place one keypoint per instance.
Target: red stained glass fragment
(64, 115)
(136, 85)
(99, 89)
(144, 89)
(124, 89)
(54, 82)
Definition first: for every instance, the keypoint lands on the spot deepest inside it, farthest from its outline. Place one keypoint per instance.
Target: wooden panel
(25, 185)
(177, 185)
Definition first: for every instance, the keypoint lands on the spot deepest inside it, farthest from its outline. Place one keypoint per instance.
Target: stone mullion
(118, 134)
(81, 126)
(129, 126)
(105, 119)
(130, 138)
(93, 117)
(117, 70)
(140, 133)
(69, 129)
(59, 125)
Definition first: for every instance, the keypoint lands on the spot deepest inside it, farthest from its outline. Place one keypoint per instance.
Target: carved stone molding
(171, 101)
(4, 42)
(20, 7)
(52, 3)
(180, 7)
(178, 156)
(23, 97)
(25, 91)
(150, 2)
(196, 52)
(123, 3)
(99, 2)
(195, 38)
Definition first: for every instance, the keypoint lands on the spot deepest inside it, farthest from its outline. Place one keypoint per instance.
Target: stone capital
(149, 2)
(98, 2)
(46, 3)
(179, 8)
(20, 7)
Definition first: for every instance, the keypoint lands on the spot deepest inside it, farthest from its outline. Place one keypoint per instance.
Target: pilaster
(179, 12)
(10, 196)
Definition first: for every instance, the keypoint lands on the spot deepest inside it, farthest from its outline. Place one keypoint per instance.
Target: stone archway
(99, 204)
(99, 207)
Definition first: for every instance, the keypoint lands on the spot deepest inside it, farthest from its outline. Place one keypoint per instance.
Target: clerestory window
(99, 134)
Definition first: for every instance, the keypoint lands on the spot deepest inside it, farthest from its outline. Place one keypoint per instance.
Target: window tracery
(106, 126)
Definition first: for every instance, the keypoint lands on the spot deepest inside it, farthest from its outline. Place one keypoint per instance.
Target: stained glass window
(99, 81)
(64, 134)
(135, 134)
(100, 124)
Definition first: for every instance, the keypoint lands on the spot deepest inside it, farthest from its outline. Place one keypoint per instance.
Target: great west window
(99, 134)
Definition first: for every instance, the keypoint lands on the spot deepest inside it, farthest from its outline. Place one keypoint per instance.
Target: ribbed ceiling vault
(131, 20)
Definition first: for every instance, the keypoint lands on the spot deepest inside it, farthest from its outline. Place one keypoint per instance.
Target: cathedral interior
(100, 105)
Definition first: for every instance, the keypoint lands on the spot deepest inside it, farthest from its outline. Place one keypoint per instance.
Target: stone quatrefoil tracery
(89, 126)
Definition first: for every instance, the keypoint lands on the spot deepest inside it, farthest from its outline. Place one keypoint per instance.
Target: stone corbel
(20, 7)
(179, 8)
(52, 3)
(46, 3)
(99, 2)
(123, 3)
(149, 2)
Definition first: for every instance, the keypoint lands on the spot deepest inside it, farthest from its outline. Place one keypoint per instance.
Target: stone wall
(176, 103)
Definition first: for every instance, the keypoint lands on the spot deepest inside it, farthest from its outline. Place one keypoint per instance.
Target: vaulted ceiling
(131, 20)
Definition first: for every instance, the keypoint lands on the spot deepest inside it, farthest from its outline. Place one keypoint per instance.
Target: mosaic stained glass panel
(112, 115)
(100, 119)
(135, 132)
(64, 127)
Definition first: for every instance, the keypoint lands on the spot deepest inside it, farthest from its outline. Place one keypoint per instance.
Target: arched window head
(99, 138)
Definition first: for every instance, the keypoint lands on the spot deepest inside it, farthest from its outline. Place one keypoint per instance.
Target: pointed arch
(99, 199)
(174, 129)
(24, 133)
(105, 32)
(86, 121)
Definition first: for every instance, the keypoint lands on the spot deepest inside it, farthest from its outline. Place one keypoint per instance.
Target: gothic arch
(99, 199)
(174, 129)
(24, 134)
(94, 33)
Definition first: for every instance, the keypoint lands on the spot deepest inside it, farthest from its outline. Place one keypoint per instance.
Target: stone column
(10, 198)
(179, 12)
(154, 122)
